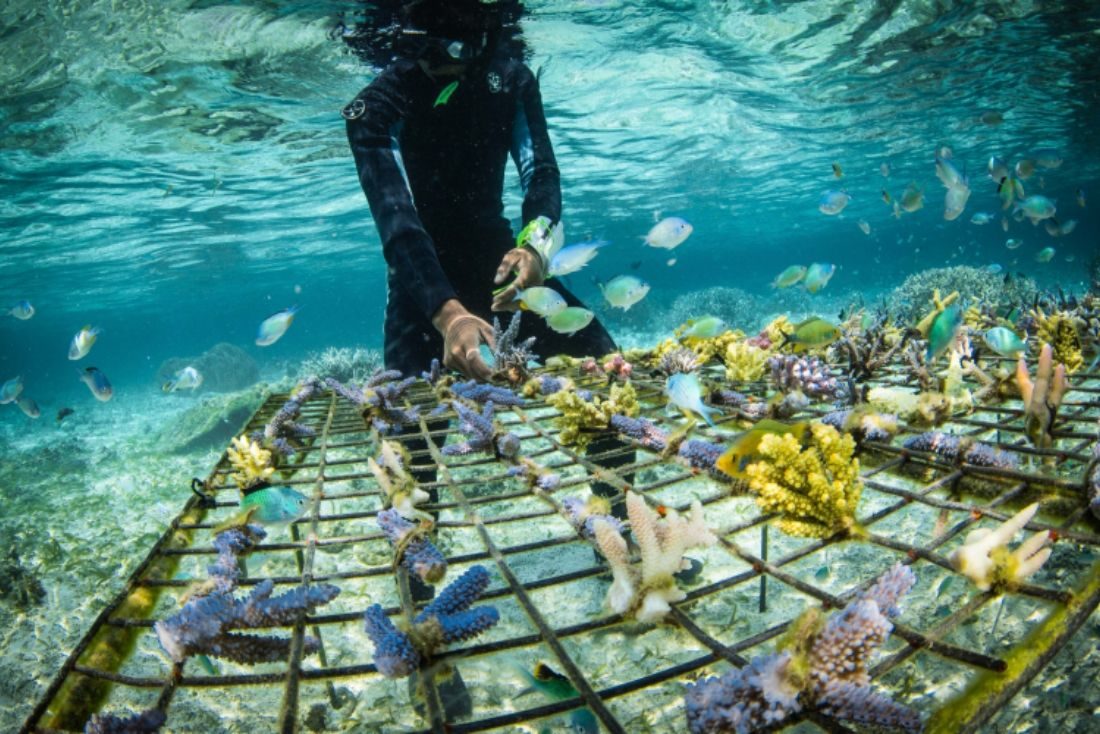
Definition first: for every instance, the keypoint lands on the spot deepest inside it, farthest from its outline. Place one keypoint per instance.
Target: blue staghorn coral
(282, 433)
(447, 619)
(412, 546)
(820, 665)
(378, 399)
(146, 722)
(808, 375)
(962, 448)
(482, 434)
(202, 626)
(483, 392)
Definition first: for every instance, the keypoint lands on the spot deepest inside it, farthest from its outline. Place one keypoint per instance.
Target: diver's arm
(374, 121)
(533, 154)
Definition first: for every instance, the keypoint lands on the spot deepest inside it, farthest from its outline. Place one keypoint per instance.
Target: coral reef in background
(399, 487)
(224, 368)
(962, 448)
(211, 423)
(482, 434)
(732, 305)
(344, 364)
(820, 665)
(412, 546)
(146, 722)
(447, 619)
(582, 418)
(204, 625)
(646, 589)
(1042, 396)
(909, 301)
(815, 490)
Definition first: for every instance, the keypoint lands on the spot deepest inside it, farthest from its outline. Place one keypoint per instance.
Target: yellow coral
(816, 490)
(745, 362)
(252, 462)
(580, 418)
(1060, 331)
(778, 329)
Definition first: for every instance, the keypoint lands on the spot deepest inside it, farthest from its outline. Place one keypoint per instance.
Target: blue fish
(22, 310)
(98, 383)
(685, 392)
(10, 390)
(557, 687)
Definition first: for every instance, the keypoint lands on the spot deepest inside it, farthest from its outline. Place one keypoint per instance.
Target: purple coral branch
(808, 375)
(961, 448)
(481, 434)
(418, 554)
(146, 722)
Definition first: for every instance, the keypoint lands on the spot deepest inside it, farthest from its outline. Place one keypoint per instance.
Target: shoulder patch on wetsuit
(493, 80)
(354, 109)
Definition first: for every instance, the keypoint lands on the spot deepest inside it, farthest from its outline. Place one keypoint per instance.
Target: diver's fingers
(477, 369)
(505, 300)
(508, 263)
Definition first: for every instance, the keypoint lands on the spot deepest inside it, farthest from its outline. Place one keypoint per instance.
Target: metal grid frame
(477, 497)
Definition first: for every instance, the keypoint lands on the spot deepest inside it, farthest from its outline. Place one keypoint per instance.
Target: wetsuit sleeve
(374, 122)
(533, 154)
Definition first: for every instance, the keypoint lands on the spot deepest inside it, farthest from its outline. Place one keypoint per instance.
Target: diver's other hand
(529, 270)
(462, 334)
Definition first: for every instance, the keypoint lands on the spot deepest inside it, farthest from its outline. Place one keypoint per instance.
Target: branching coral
(252, 462)
(412, 546)
(448, 619)
(203, 626)
(580, 418)
(545, 385)
(808, 375)
(646, 589)
(583, 514)
(482, 434)
(282, 433)
(961, 448)
(863, 423)
(985, 559)
(399, 486)
(146, 722)
(1061, 331)
(820, 665)
(1042, 396)
(744, 362)
(483, 392)
(677, 361)
(377, 400)
(870, 350)
(510, 355)
(816, 490)
(539, 478)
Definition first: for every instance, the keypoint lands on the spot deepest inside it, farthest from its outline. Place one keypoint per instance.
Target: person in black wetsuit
(431, 137)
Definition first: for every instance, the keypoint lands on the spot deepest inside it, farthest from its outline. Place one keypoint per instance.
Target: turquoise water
(176, 171)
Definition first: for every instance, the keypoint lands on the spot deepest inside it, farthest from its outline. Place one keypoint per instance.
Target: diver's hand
(528, 267)
(462, 334)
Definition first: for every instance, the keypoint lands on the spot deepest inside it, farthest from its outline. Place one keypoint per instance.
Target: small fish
(833, 202)
(818, 276)
(912, 199)
(10, 390)
(981, 218)
(994, 268)
(686, 393)
(884, 169)
(1053, 228)
(188, 378)
(864, 227)
(1004, 224)
(22, 310)
(943, 331)
(706, 327)
(1004, 342)
(1036, 208)
(1025, 169)
(1009, 190)
(557, 687)
(29, 407)
(570, 259)
(63, 414)
(1045, 255)
(97, 382)
(669, 233)
(793, 275)
(1012, 243)
(1047, 158)
(274, 326)
(1067, 227)
(623, 291)
(954, 201)
(991, 117)
(746, 446)
(998, 170)
(1081, 198)
(886, 198)
(571, 320)
(811, 333)
(837, 171)
(82, 342)
(948, 174)
(268, 506)
(541, 300)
